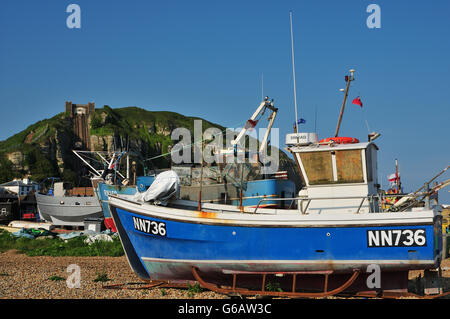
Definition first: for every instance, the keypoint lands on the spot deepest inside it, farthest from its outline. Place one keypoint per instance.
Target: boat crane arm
(110, 165)
(266, 104)
(90, 166)
(269, 127)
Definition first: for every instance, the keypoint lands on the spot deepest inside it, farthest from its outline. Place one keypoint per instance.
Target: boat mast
(241, 186)
(348, 79)
(396, 175)
(199, 206)
(262, 86)
(128, 159)
(293, 74)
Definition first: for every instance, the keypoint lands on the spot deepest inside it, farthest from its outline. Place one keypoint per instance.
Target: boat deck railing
(377, 203)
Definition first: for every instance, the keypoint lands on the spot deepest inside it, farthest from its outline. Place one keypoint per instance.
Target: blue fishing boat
(336, 228)
(172, 243)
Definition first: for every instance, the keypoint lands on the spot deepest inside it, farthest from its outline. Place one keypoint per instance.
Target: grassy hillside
(31, 151)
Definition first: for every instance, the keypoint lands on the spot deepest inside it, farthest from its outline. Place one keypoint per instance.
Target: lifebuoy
(340, 140)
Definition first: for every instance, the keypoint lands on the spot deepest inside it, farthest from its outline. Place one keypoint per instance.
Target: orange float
(340, 140)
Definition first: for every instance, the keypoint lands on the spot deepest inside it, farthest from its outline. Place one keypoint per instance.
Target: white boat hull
(68, 210)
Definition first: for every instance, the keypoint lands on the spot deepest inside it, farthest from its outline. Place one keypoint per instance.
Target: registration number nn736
(149, 226)
(396, 237)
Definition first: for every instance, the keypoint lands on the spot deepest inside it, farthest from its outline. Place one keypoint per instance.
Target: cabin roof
(331, 147)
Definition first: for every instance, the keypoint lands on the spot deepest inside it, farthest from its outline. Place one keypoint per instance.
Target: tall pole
(241, 208)
(348, 79)
(199, 207)
(396, 175)
(262, 87)
(293, 74)
(315, 120)
(128, 166)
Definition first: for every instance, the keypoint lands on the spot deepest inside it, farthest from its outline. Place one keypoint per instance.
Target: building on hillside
(21, 187)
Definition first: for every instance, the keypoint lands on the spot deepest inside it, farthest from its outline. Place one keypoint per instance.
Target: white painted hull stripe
(214, 261)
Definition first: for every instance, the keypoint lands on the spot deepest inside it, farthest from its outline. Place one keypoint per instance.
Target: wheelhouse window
(349, 166)
(318, 167)
(333, 167)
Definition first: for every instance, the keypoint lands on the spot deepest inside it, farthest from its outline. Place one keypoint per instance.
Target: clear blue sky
(205, 58)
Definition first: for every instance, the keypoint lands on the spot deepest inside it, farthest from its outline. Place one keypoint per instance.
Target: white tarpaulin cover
(165, 185)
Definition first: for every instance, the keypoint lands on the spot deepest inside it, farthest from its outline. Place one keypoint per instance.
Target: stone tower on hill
(80, 115)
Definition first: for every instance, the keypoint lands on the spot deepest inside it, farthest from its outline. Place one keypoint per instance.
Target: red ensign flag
(357, 101)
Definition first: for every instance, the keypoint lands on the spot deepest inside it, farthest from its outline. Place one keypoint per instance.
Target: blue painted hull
(103, 191)
(266, 188)
(217, 249)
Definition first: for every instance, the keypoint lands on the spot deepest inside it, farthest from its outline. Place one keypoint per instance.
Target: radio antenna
(315, 120)
(262, 86)
(293, 74)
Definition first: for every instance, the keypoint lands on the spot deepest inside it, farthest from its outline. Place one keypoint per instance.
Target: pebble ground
(23, 277)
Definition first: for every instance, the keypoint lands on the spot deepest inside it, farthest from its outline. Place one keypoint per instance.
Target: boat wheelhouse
(333, 170)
